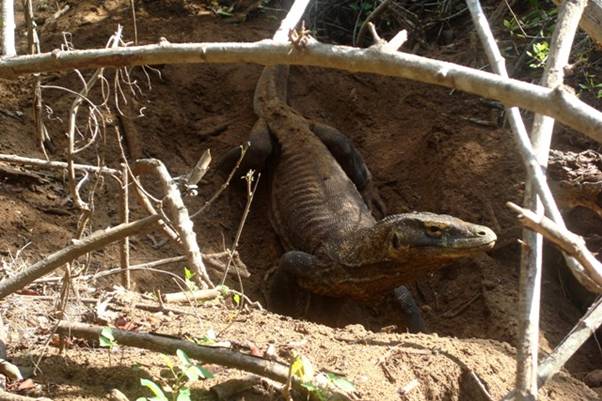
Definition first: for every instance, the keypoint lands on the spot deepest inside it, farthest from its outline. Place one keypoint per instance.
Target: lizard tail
(272, 85)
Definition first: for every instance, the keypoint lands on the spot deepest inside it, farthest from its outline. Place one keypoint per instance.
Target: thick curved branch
(558, 102)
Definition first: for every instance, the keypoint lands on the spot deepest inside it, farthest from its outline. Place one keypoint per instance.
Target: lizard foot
(373, 200)
(404, 298)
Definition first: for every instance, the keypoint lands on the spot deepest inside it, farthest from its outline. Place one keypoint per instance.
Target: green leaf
(155, 389)
(192, 373)
(208, 339)
(341, 382)
(106, 338)
(315, 390)
(183, 394)
(205, 373)
(184, 359)
(188, 274)
(301, 368)
(236, 299)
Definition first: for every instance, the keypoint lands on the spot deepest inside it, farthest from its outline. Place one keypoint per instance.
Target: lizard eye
(434, 231)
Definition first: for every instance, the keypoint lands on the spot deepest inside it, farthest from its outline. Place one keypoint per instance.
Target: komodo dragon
(321, 195)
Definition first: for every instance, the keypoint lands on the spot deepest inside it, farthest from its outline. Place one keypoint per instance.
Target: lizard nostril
(482, 233)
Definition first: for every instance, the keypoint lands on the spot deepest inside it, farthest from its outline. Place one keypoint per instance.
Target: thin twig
(124, 211)
(199, 170)
(51, 164)
(373, 15)
(587, 326)
(72, 128)
(33, 42)
(133, 7)
(211, 261)
(250, 194)
(243, 151)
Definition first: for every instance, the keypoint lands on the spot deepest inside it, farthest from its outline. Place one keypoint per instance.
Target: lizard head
(436, 236)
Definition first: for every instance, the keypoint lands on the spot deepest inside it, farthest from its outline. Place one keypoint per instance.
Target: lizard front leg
(286, 296)
(350, 159)
(408, 305)
(260, 148)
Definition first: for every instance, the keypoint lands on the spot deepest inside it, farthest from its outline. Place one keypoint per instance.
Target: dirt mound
(380, 365)
(429, 149)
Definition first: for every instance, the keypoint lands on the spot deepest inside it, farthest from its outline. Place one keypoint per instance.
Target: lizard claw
(373, 200)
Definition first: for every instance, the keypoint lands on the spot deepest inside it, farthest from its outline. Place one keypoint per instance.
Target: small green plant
(208, 339)
(177, 388)
(302, 369)
(539, 22)
(365, 7)
(591, 85)
(188, 279)
(107, 340)
(539, 54)
(225, 292)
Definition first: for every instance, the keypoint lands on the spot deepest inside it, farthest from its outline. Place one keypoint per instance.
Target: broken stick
(80, 247)
(207, 354)
(179, 215)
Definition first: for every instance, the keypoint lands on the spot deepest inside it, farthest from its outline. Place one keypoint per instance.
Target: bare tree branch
(531, 258)
(591, 22)
(587, 326)
(124, 215)
(207, 354)
(532, 255)
(50, 164)
(291, 20)
(567, 241)
(8, 28)
(557, 102)
(80, 247)
(179, 214)
(552, 364)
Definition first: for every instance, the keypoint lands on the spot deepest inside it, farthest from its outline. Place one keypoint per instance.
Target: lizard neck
(271, 87)
(363, 246)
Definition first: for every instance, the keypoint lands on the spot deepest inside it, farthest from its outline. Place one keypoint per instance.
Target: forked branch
(567, 241)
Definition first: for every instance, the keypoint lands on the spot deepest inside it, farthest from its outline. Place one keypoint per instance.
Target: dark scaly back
(313, 202)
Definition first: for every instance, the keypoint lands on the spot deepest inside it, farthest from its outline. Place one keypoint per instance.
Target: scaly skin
(319, 196)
